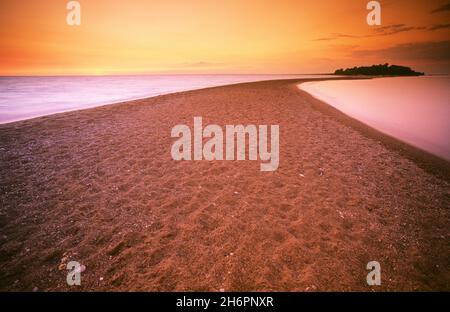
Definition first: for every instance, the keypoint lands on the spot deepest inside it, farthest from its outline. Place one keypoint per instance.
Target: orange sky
(222, 36)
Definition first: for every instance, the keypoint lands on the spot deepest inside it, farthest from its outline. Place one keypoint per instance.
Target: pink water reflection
(415, 110)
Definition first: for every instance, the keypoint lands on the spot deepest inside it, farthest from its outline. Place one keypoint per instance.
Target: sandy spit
(99, 186)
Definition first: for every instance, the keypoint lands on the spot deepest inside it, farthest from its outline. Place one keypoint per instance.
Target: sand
(99, 186)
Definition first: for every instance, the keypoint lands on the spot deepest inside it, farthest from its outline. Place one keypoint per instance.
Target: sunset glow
(140, 36)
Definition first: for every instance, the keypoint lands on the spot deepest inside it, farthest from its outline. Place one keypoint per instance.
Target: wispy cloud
(335, 36)
(432, 50)
(395, 29)
(443, 8)
(387, 30)
(439, 26)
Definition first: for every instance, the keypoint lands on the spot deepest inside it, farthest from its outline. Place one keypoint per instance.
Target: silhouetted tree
(379, 70)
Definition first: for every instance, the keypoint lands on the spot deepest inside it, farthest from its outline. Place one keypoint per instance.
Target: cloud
(385, 31)
(396, 28)
(438, 26)
(380, 31)
(443, 8)
(335, 36)
(432, 50)
(323, 39)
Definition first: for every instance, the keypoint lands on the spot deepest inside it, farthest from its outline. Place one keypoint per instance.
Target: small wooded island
(379, 70)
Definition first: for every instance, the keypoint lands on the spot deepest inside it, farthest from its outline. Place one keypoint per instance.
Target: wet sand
(99, 186)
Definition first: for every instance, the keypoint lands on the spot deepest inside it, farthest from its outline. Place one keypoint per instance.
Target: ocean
(28, 97)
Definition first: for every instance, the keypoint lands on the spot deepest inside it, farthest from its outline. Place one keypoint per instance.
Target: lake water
(28, 97)
(415, 110)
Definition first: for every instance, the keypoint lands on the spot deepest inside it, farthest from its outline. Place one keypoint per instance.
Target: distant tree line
(379, 70)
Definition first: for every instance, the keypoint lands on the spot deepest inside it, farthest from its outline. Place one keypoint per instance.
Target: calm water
(27, 97)
(415, 110)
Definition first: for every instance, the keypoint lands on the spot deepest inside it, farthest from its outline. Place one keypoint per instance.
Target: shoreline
(422, 157)
(90, 106)
(430, 162)
(397, 114)
(99, 186)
